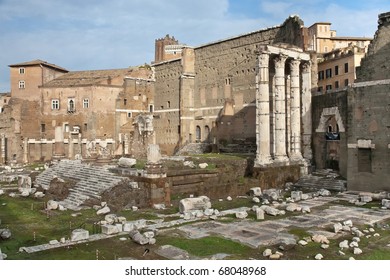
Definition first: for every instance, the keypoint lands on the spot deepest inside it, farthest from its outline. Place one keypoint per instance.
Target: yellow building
(337, 69)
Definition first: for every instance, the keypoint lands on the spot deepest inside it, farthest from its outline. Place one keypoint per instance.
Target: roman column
(295, 111)
(263, 156)
(306, 110)
(3, 153)
(59, 149)
(280, 109)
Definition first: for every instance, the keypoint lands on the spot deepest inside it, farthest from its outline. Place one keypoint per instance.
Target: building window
(328, 87)
(168, 104)
(43, 127)
(21, 70)
(66, 127)
(346, 67)
(346, 82)
(336, 84)
(151, 108)
(125, 101)
(320, 89)
(86, 103)
(364, 160)
(22, 84)
(328, 73)
(71, 105)
(198, 133)
(85, 126)
(55, 104)
(129, 114)
(336, 70)
(321, 75)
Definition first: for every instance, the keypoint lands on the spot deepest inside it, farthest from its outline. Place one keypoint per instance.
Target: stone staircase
(92, 181)
(322, 179)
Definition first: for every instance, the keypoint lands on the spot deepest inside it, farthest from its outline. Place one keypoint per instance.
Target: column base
(281, 158)
(263, 161)
(296, 157)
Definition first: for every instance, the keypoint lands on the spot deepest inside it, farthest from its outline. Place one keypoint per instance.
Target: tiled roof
(38, 62)
(86, 78)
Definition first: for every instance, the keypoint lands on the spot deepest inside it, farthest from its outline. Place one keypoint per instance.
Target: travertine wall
(223, 85)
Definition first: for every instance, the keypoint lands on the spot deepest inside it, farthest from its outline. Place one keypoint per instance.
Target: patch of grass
(208, 246)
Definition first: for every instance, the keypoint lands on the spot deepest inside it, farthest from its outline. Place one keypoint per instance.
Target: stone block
(255, 191)
(109, 229)
(241, 215)
(296, 195)
(259, 214)
(386, 203)
(127, 162)
(79, 234)
(195, 203)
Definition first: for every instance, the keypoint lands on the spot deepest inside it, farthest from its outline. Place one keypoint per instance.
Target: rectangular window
(346, 68)
(125, 101)
(85, 126)
(346, 82)
(66, 127)
(86, 103)
(328, 73)
(321, 75)
(320, 89)
(336, 84)
(43, 127)
(151, 108)
(55, 104)
(22, 84)
(328, 87)
(21, 70)
(336, 70)
(129, 114)
(71, 105)
(364, 160)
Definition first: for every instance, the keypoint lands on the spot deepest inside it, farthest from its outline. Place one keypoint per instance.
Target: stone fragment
(127, 162)
(103, 211)
(343, 244)
(160, 206)
(110, 218)
(274, 257)
(376, 235)
(25, 193)
(208, 212)
(319, 238)
(365, 198)
(292, 207)
(357, 251)
(134, 208)
(341, 253)
(62, 240)
(195, 203)
(53, 242)
(296, 195)
(190, 164)
(149, 234)
(337, 227)
(357, 232)
(302, 242)
(271, 194)
(255, 200)
(270, 210)
(241, 215)
(353, 244)
(351, 258)
(267, 253)
(138, 238)
(386, 203)
(5, 233)
(152, 241)
(259, 214)
(324, 246)
(356, 239)
(229, 198)
(1, 192)
(52, 205)
(203, 165)
(79, 234)
(319, 257)
(324, 192)
(256, 191)
(305, 196)
(348, 223)
(306, 209)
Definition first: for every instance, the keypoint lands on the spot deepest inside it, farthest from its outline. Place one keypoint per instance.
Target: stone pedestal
(59, 146)
(153, 167)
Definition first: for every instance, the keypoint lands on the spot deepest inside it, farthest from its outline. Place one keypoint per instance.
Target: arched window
(207, 133)
(198, 133)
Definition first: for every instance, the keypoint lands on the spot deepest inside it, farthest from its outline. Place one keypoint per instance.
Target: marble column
(263, 156)
(25, 150)
(280, 109)
(70, 147)
(306, 110)
(295, 111)
(3, 152)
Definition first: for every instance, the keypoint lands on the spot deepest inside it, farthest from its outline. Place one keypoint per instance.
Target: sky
(101, 34)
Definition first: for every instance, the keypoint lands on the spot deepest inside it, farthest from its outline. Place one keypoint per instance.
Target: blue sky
(100, 34)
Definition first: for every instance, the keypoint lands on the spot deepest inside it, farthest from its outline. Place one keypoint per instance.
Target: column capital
(280, 60)
(306, 66)
(294, 63)
(263, 58)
